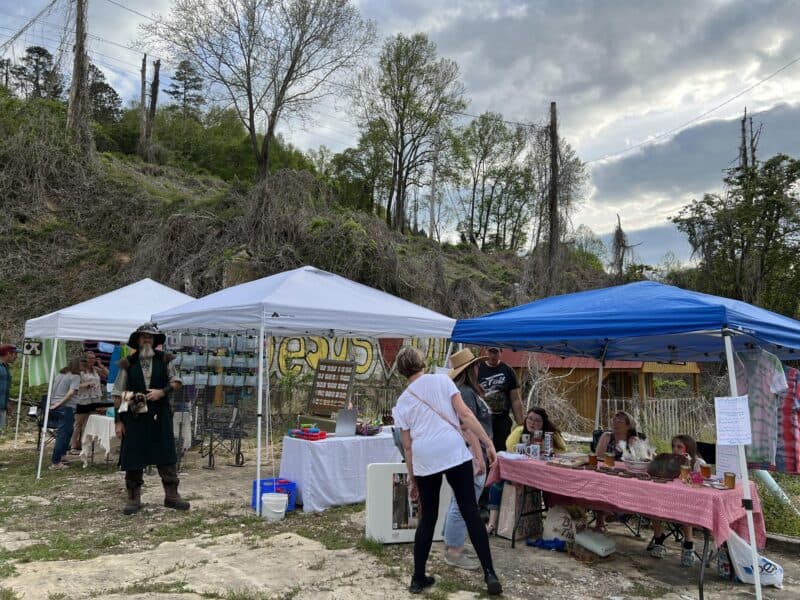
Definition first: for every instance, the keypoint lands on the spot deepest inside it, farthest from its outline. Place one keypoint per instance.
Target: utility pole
(143, 108)
(77, 115)
(552, 246)
(151, 117)
(432, 220)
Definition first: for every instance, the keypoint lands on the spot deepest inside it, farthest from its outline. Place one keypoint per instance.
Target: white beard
(146, 351)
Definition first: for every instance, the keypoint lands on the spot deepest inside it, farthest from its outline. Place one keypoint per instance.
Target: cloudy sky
(623, 73)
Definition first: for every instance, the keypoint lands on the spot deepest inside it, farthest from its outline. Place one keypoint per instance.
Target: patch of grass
(370, 545)
(57, 596)
(147, 587)
(6, 568)
(644, 591)
(7, 594)
(778, 517)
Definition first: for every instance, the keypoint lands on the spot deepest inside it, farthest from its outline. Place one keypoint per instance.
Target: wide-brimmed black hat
(158, 337)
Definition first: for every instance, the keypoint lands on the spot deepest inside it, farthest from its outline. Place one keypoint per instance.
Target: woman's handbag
(665, 466)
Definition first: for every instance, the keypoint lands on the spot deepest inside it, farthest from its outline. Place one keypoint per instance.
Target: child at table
(682, 445)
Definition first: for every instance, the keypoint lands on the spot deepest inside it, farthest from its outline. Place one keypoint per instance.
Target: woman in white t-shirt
(428, 413)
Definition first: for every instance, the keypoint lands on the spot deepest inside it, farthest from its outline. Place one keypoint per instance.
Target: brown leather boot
(170, 481)
(134, 502)
(172, 499)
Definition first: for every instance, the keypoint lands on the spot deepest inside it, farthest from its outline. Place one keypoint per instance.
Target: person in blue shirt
(8, 354)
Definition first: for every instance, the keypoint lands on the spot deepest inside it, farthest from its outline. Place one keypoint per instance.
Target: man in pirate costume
(146, 427)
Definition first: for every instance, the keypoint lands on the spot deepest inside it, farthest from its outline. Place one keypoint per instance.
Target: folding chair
(54, 421)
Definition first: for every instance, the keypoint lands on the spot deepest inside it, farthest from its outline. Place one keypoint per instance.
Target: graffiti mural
(294, 356)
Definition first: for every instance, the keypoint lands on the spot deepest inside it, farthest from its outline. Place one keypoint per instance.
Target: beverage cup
(592, 459)
(537, 436)
(609, 460)
(684, 472)
(519, 448)
(730, 480)
(705, 471)
(525, 438)
(533, 451)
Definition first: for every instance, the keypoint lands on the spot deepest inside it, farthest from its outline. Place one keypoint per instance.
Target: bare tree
(407, 98)
(270, 58)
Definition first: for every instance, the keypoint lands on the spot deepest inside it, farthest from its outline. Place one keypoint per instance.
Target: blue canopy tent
(641, 321)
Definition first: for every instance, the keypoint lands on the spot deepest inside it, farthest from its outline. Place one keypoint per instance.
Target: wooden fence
(662, 418)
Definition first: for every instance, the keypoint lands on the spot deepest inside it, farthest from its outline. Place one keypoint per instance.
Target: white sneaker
(658, 551)
(462, 561)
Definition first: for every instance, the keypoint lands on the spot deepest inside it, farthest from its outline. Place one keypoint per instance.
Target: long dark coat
(148, 439)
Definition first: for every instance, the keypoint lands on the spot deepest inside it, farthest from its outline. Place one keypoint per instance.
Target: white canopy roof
(112, 316)
(308, 301)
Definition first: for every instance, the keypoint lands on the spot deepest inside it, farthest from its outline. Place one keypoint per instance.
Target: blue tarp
(638, 321)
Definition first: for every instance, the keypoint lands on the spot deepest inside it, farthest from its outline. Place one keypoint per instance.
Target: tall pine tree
(186, 83)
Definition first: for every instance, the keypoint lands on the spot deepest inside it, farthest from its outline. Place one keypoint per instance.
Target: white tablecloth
(333, 471)
(100, 429)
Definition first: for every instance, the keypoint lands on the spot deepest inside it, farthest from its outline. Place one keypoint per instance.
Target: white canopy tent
(306, 302)
(110, 317)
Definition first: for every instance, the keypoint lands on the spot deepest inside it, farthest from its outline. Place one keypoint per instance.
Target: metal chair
(54, 421)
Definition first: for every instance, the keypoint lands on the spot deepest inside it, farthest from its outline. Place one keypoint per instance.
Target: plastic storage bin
(281, 486)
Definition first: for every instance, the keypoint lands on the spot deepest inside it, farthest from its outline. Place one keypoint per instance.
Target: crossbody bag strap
(438, 412)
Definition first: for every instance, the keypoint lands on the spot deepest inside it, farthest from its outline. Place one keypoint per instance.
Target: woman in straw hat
(428, 414)
(464, 375)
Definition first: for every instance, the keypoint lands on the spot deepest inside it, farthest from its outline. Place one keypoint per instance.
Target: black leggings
(461, 481)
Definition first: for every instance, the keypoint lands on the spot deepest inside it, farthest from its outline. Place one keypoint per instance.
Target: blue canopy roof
(644, 321)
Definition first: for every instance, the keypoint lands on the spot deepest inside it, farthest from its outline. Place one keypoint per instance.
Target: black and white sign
(32, 348)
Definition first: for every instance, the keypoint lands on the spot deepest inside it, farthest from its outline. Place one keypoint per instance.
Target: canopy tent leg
(599, 400)
(19, 398)
(746, 497)
(449, 352)
(268, 411)
(259, 412)
(47, 407)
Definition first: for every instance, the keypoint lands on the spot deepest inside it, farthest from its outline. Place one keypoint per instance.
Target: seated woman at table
(65, 386)
(623, 435)
(536, 420)
(682, 445)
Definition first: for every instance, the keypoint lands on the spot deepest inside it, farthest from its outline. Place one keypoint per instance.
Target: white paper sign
(728, 461)
(733, 421)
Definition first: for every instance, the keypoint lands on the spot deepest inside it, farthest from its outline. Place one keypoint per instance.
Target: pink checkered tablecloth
(719, 511)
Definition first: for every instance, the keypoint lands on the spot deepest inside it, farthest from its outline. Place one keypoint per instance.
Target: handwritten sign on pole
(728, 461)
(733, 421)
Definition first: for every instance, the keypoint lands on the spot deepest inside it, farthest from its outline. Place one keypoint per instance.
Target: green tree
(36, 76)
(105, 103)
(185, 87)
(407, 100)
(747, 238)
(269, 59)
(360, 175)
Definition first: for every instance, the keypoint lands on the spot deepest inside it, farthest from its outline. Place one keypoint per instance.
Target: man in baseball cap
(8, 354)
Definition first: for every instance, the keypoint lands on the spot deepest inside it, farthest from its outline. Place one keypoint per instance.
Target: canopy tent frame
(642, 321)
(304, 301)
(111, 316)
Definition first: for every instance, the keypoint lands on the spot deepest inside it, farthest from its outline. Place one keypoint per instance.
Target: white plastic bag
(741, 558)
(559, 525)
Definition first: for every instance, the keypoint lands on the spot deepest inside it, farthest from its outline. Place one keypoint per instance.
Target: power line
(697, 118)
(46, 10)
(58, 27)
(130, 10)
